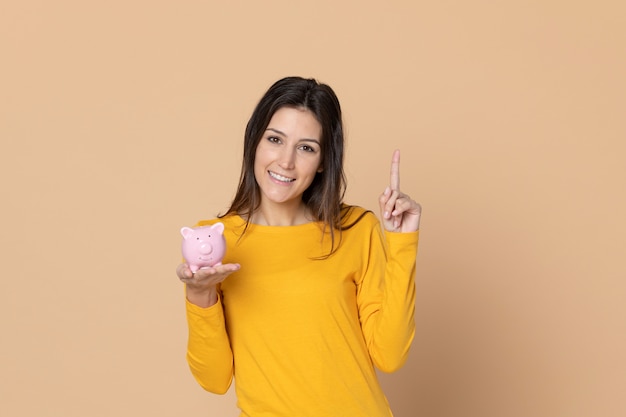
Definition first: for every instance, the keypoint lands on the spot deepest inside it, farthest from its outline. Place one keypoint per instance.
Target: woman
(311, 295)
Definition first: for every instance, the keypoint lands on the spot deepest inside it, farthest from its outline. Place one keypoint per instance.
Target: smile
(280, 177)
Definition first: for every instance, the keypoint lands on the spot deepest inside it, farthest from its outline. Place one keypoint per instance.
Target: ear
(219, 226)
(186, 232)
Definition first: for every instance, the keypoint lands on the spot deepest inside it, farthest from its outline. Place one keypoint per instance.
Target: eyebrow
(283, 134)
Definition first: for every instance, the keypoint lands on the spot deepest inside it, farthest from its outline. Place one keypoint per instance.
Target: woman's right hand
(202, 286)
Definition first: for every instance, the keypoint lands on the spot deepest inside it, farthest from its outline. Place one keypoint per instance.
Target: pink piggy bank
(203, 246)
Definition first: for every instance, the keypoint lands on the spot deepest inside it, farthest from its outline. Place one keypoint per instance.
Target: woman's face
(288, 156)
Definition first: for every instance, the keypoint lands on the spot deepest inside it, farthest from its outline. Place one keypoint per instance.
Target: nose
(205, 248)
(287, 158)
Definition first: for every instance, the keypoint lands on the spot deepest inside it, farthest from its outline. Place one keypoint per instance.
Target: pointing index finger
(394, 181)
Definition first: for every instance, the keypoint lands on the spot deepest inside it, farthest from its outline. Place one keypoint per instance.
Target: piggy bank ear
(186, 232)
(219, 227)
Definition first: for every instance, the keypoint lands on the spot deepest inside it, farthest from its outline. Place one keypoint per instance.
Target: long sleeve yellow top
(302, 335)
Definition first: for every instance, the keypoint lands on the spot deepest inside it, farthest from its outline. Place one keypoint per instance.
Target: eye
(307, 148)
(273, 139)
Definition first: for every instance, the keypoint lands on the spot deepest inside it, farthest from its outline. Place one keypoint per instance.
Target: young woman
(312, 294)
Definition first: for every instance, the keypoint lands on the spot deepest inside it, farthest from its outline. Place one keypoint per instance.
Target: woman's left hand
(399, 212)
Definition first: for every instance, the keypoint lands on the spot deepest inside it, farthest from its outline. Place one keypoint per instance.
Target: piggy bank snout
(205, 248)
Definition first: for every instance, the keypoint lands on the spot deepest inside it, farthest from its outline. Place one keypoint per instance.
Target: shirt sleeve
(209, 354)
(386, 297)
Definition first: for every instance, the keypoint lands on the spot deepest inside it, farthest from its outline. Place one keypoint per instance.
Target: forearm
(209, 354)
(394, 327)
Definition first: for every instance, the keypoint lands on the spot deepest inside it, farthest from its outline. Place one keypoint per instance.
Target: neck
(281, 215)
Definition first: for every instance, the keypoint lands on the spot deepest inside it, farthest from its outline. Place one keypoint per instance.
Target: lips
(280, 177)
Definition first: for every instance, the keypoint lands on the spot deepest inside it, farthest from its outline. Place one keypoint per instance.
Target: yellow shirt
(301, 336)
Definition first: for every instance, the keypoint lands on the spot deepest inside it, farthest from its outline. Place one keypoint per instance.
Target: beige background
(122, 121)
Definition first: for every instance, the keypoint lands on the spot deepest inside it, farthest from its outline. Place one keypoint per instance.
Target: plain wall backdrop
(122, 121)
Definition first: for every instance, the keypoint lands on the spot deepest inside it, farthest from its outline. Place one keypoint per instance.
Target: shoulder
(352, 216)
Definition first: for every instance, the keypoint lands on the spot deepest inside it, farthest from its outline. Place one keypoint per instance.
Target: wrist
(205, 297)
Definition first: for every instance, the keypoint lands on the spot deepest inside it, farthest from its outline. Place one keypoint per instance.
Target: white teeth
(280, 177)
